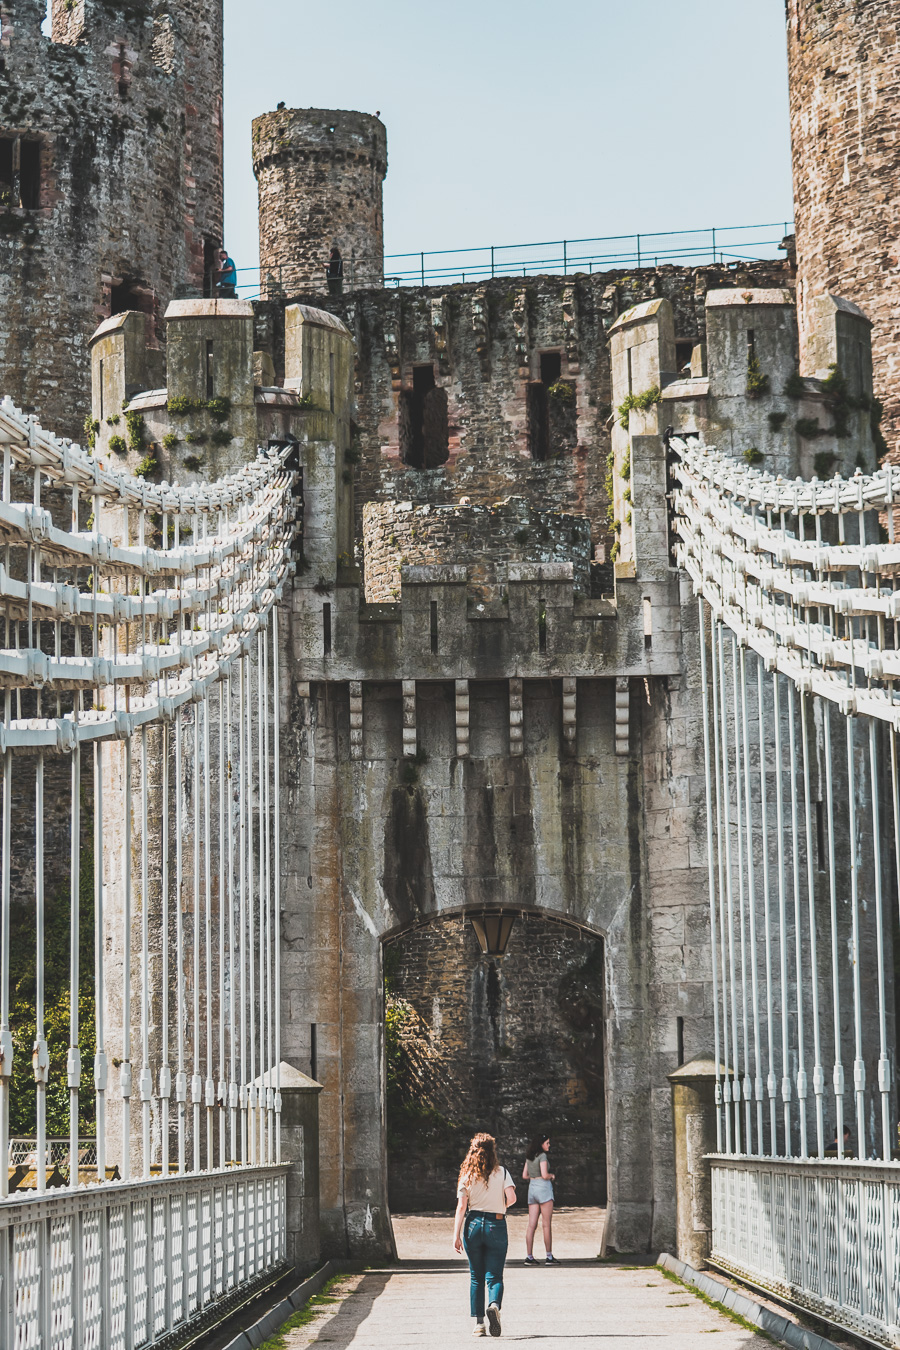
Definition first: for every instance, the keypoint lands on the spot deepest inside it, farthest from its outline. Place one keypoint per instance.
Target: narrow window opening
(210, 369)
(129, 294)
(331, 380)
(30, 174)
(679, 1032)
(551, 367)
(210, 266)
(6, 173)
(538, 404)
(101, 391)
(326, 628)
(821, 860)
(628, 357)
(751, 345)
(648, 623)
(683, 353)
(313, 1051)
(542, 627)
(434, 625)
(424, 422)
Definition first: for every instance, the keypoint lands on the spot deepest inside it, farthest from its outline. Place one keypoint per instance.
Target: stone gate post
(694, 1112)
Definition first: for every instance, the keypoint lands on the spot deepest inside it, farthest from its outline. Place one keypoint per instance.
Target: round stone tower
(844, 63)
(320, 174)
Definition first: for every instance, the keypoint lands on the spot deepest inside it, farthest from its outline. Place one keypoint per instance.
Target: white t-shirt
(491, 1197)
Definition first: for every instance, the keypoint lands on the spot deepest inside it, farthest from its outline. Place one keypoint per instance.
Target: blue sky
(510, 122)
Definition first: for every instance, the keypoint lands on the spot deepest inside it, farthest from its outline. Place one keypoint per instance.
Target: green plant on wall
(777, 420)
(757, 382)
(795, 386)
(823, 463)
(561, 392)
(146, 467)
(753, 456)
(808, 428)
(640, 402)
(170, 440)
(136, 429)
(118, 445)
(91, 431)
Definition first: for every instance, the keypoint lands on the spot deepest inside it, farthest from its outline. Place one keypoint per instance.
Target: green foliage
(794, 386)
(303, 1316)
(91, 431)
(113, 421)
(219, 409)
(146, 467)
(136, 430)
(823, 463)
(610, 488)
(561, 392)
(625, 471)
(180, 407)
(118, 445)
(641, 402)
(757, 382)
(777, 420)
(306, 401)
(192, 463)
(221, 436)
(196, 438)
(875, 415)
(170, 440)
(752, 456)
(614, 551)
(808, 428)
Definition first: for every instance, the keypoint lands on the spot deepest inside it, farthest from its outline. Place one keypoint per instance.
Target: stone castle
(493, 693)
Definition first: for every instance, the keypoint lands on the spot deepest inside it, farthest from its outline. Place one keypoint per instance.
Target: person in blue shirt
(227, 276)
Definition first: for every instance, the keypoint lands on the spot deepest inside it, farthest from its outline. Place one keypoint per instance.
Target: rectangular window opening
(424, 421)
(210, 381)
(434, 626)
(313, 1051)
(821, 860)
(331, 380)
(683, 353)
(6, 172)
(679, 1031)
(751, 344)
(101, 390)
(648, 623)
(542, 627)
(628, 358)
(551, 367)
(326, 628)
(30, 174)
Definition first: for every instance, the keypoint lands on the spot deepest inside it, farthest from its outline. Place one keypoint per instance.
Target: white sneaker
(493, 1313)
(479, 1329)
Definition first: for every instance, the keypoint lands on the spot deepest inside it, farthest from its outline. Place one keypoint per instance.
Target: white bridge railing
(799, 624)
(139, 626)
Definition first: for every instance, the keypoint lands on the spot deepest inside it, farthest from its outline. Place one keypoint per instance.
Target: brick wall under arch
(511, 1046)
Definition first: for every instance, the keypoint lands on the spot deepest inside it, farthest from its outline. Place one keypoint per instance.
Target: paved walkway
(424, 1301)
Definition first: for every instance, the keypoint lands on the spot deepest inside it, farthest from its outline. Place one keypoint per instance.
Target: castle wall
(844, 66)
(125, 110)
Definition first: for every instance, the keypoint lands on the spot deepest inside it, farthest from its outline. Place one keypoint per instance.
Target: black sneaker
(551, 1261)
(530, 1261)
(493, 1316)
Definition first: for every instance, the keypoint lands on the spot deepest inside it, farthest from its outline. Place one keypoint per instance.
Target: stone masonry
(110, 181)
(844, 61)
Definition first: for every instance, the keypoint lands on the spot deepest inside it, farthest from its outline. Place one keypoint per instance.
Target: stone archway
(511, 1046)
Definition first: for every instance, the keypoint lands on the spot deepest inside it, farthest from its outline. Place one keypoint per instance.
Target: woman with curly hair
(485, 1192)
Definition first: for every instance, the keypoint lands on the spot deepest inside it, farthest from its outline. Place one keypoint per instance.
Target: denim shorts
(539, 1191)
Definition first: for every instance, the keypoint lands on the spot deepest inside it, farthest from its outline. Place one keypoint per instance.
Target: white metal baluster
(243, 807)
(6, 1043)
(726, 824)
(40, 1058)
(276, 696)
(222, 1085)
(720, 835)
(782, 924)
(165, 1069)
(838, 1073)
(251, 943)
(196, 1079)
(798, 930)
(771, 1085)
(232, 970)
(859, 1064)
(270, 1102)
(884, 1066)
(818, 1071)
(181, 971)
(210, 1086)
(746, 1084)
(146, 1081)
(125, 1073)
(751, 893)
(100, 1064)
(73, 1058)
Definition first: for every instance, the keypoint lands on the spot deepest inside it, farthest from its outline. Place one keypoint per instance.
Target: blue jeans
(486, 1241)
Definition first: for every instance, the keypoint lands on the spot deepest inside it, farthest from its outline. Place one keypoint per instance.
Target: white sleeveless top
(490, 1197)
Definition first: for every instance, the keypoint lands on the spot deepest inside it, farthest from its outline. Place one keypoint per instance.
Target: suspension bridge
(142, 646)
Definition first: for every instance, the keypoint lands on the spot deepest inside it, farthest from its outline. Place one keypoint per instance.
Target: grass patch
(718, 1307)
(304, 1315)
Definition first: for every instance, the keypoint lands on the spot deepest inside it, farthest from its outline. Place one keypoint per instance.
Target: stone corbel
(570, 694)
(622, 714)
(515, 717)
(409, 719)
(462, 718)
(356, 719)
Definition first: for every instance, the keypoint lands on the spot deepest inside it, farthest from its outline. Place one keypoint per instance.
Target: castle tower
(845, 128)
(110, 181)
(320, 174)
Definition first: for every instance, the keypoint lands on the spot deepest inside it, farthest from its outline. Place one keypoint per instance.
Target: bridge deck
(423, 1302)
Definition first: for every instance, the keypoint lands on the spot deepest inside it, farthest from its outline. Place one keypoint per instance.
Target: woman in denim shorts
(540, 1197)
